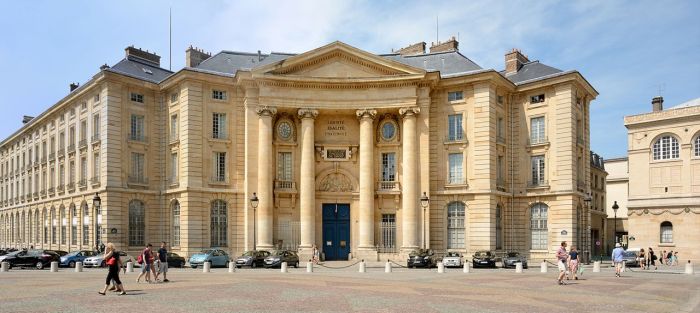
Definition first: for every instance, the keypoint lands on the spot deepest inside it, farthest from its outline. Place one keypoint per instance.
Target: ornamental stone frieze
(307, 113)
(366, 113)
(266, 111)
(404, 112)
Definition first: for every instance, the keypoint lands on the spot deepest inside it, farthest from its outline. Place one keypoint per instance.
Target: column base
(305, 254)
(367, 254)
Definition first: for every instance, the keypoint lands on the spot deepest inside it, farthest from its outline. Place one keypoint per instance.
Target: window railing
(581, 185)
(60, 188)
(500, 182)
(454, 137)
(537, 183)
(43, 160)
(95, 138)
(71, 148)
(82, 143)
(500, 139)
(174, 138)
(35, 195)
(82, 183)
(52, 156)
(137, 137)
(36, 163)
(388, 185)
(61, 152)
(42, 192)
(70, 186)
(52, 190)
(537, 141)
(95, 180)
(456, 180)
(137, 180)
(284, 184)
(174, 181)
(218, 179)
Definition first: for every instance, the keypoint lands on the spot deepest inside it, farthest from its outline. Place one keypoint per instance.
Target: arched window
(666, 232)
(666, 148)
(29, 227)
(499, 228)
(73, 225)
(176, 223)
(455, 225)
(22, 228)
(64, 225)
(538, 226)
(54, 225)
(218, 223)
(37, 227)
(696, 147)
(46, 226)
(137, 224)
(86, 225)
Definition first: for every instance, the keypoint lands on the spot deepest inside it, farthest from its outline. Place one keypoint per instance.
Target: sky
(630, 51)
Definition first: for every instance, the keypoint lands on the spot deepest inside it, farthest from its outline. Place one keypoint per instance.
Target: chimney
(657, 104)
(143, 55)
(26, 119)
(414, 49)
(104, 67)
(74, 86)
(450, 45)
(195, 56)
(514, 61)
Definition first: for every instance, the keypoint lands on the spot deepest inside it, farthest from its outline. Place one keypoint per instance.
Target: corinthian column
(264, 211)
(307, 182)
(409, 181)
(366, 179)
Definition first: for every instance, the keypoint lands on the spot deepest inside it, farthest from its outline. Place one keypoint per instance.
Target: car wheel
(193, 266)
(296, 265)
(181, 265)
(71, 264)
(39, 265)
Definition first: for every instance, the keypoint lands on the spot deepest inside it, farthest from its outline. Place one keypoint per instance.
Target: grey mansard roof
(448, 63)
(532, 71)
(139, 68)
(229, 62)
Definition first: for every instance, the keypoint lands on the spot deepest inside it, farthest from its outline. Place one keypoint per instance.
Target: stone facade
(617, 191)
(335, 125)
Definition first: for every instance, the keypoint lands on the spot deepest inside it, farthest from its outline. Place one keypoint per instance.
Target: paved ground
(330, 290)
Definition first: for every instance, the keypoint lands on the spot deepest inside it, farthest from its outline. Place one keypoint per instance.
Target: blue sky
(629, 50)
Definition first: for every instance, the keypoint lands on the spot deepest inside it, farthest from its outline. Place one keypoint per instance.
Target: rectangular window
(220, 166)
(456, 170)
(74, 227)
(500, 130)
(173, 167)
(284, 166)
(137, 166)
(455, 226)
(136, 97)
(86, 228)
(455, 95)
(61, 174)
(96, 98)
(389, 167)
(218, 94)
(95, 127)
(537, 131)
(137, 128)
(388, 231)
(71, 173)
(173, 127)
(537, 98)
(219, 126)
(96, 167)
(538, 178)
(83, 131)
(71, 138)
(61, 142)
(499, 170)
(173, 97)
(83, 106)
(538, 227)
(83, 170)
(455, 129)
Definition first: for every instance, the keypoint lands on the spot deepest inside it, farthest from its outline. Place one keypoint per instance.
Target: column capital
(411, 111)
(307, 113)
(366, 113)
(266, 110)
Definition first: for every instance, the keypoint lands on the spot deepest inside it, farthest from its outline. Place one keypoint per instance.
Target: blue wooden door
(336, 231)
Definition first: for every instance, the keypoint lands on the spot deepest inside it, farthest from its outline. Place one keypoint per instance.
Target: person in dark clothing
(114, 265)
(163, 258)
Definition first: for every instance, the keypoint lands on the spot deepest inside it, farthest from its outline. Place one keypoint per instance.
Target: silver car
(452, 259)
(99, 260)
(514, 257)
(254, 258)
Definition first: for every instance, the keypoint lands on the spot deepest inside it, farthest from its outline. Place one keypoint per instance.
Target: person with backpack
(145, 259)
(114, 264)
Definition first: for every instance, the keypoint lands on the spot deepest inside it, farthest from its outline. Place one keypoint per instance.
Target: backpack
(139, 260)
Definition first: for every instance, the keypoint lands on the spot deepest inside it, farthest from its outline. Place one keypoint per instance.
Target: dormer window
(537, 99)
(147, 71)
(455, 95)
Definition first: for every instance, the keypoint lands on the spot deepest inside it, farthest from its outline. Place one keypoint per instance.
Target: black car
(59, 252)
(279, 256)
(483, 259)
(32, 258)
(421, 258)
(253, 258)
(175, 260)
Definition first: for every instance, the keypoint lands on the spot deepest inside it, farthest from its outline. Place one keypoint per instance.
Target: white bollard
(596, 267)
(363, 267)
(624, 265)
(283, 267)
(689, 268)
(309, 267)
(387, 267)
(130, 267)
(4, 267)
(466, 267)
(206, 268)
(231, 267)
(54, 266)
(519, 267)
(543, 267)
(78, 267)
(441, 268)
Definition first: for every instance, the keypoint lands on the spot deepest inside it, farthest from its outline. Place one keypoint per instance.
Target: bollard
(54, 266)
(624, 264)
(232, 266)
(596, 267)
(387, 267)
(130, 267)
(466, 267)
(689, 268)
(78, 267)
(519, 267)
(283, 267)
(543, 267)
(309, 267)
(4, 267)
(206, 268)
(441, 268)
(363, 266)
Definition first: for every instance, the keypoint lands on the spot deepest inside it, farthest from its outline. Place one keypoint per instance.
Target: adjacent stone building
(617, 227)
(597, 205)
(338, 146)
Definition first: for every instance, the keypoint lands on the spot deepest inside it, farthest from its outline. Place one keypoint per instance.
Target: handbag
(111, 261)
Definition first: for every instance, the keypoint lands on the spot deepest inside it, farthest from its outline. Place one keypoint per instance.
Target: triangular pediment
(337, 60)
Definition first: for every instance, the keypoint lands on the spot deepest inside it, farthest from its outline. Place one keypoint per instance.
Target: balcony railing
(70, 186)
(82, 143)
(60, 188)
(36, 163)
(285, 184)
(52, 190)
(388, 186)
(137, 137)
(537, 183)
(137, 180)
(61, 152)
(537, 141)
(95, 180)
(454, 138)
(52, 156)
(174, 138)
(35, 195)
(82, 183)
(95, 138)
(71, 148)
(42, 192)
(456, 181)
(43, 160)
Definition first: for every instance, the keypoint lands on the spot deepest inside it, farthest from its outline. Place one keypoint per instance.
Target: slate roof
(450, 62)
(139, 68)
(532, 71)
(229, 62)
(691, 103)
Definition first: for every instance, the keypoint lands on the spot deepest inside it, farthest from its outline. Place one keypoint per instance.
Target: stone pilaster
(409, 184)
(366, 241)
(264, 210)
(307, 194)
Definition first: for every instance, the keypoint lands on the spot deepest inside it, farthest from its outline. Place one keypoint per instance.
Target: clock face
(284, 130)
(388, 131)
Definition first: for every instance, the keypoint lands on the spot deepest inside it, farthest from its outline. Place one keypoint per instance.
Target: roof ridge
(241, 53)
(142, 61)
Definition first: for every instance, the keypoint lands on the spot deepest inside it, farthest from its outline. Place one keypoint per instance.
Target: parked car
(483, 259)
(253, 258)
(631, 258)
(175, 260)
(514, 257)
(32, 258)
(9, 254)
(71, 258)
(452, 259)
(421, 258)
(99, 261)
(60, 252)
(277, 257)
(217, 257)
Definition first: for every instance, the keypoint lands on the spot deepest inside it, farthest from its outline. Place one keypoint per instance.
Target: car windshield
(207, 251)
(419, 252)
(482, 254)
(74, 253)
(279, 252)
(629, 254)
(452, 254)
(249, 253)
(513, 254)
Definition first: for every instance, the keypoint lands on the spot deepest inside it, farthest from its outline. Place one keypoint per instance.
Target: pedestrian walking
(617, 259)
(669, 256)
(114, 265)
(317, 255)
(652, 259)
(146, 262)
(573, 262)
(642, 259)
(562, 256)
(663, 257)
(674, 259)
(163, 262)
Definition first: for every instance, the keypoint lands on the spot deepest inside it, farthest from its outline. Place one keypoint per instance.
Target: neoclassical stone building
(337, 144)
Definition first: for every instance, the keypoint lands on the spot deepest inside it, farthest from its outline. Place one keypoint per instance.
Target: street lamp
(254, 204)
(424, 202)
(615, 207)
(587, 200)
(96, 203)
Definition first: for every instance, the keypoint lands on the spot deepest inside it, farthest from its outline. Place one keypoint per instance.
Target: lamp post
(587, 200)
(254, 204)
(96, 203)
(424, 202)
(615, 207)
